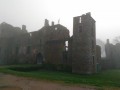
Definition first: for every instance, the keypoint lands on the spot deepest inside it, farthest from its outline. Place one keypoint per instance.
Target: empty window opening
(28, 50)
(30, 34)
(56, 28)
(66, 48)
(39, 58)
(80, 20)
(66, 45)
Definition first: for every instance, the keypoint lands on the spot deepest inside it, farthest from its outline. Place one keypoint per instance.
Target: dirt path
(10, 82)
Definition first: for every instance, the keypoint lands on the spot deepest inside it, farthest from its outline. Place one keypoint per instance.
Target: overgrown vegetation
(110, 78)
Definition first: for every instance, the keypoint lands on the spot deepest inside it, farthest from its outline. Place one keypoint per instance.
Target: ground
(11, 82)
(28, 77)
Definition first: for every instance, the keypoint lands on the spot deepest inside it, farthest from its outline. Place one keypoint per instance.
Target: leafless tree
(116, 40)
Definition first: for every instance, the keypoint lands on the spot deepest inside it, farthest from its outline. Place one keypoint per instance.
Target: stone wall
(7, 30)
(23, 47)
(54, 52)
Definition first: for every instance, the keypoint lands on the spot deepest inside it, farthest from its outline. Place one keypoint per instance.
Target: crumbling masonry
(52, 45)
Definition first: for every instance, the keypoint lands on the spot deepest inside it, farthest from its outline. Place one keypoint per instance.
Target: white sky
(33, 12)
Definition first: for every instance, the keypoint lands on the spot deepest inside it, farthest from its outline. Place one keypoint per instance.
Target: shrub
(26, 68)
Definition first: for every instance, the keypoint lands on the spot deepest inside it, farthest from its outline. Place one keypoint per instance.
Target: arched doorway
(39, 58)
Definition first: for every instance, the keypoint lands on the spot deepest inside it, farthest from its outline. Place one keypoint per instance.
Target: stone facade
(52, 45)
(23, 47)
(9, 40)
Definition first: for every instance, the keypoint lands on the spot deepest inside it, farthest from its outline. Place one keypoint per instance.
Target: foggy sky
(33, 12)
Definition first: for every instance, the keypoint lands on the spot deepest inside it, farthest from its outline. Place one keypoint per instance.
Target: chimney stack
(89, 14)
(46, 22)
(108, 41)
(23, 27)
(52, 23)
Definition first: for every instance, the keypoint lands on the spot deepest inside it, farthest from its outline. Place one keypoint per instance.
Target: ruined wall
(48, 33)
(7, 30)
(48, 44)
(109, 49)
(22, 49)
(18, 46)
(56, 32)
(54, 42)
(54, 52)
(84, 45)
(4, 50)
(38, 42)
(14, 42)
(70, 52)
(98, 54)
(98, 58)
(112, 55)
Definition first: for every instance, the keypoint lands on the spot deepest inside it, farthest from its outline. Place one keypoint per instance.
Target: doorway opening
(39, 58)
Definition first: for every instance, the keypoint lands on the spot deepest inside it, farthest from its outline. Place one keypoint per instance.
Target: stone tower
(46, 22)
(84, 45)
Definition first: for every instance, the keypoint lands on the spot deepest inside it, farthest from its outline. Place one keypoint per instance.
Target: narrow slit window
(66, 45)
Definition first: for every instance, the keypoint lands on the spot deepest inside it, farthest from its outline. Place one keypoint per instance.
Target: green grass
(110, 78)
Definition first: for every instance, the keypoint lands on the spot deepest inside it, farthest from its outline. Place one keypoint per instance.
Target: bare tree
(116, 40)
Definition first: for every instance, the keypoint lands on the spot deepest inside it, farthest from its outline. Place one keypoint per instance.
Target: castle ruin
(52, 44)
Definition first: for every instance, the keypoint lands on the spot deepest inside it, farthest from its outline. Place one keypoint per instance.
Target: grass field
(110, 78)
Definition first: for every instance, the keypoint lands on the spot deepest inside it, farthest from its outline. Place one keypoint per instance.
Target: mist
(33, 12)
